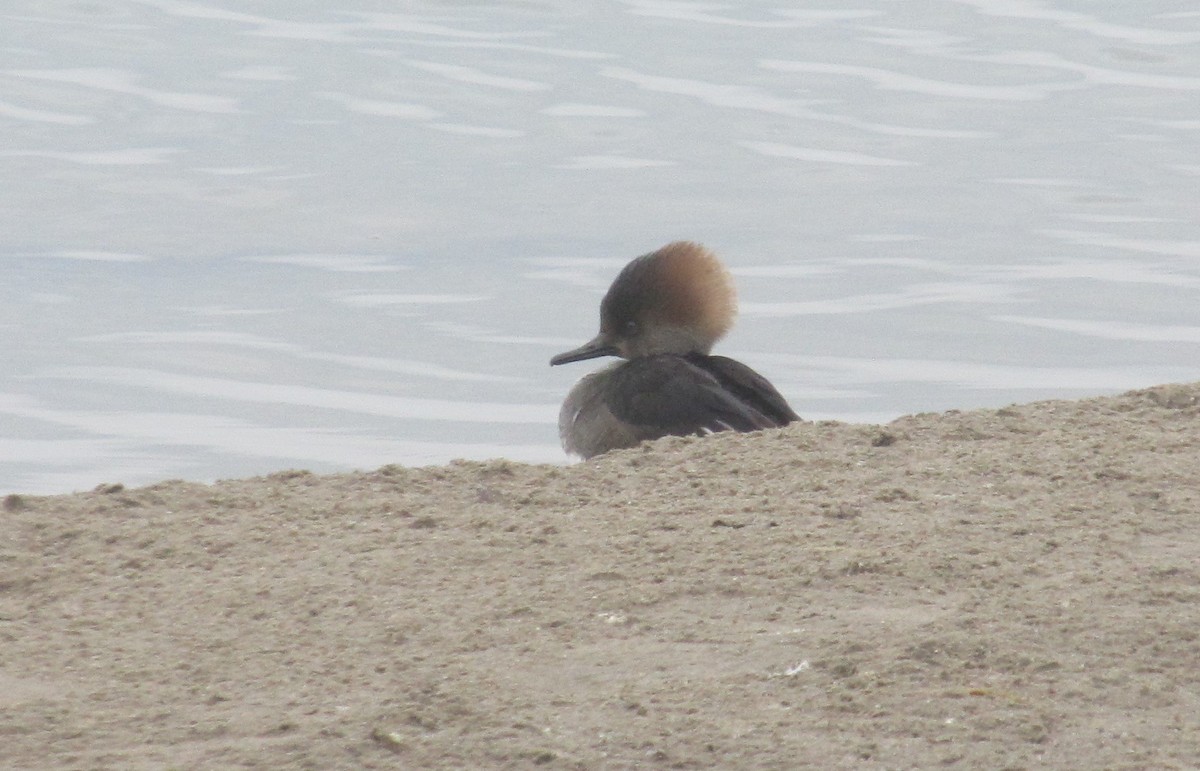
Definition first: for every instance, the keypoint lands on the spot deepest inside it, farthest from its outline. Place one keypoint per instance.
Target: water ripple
(1111, 271)
(757, 100)
(16, 112)
(1147, 245)
(386, 300)
(898, 81)
(256, 343)
(909, 297)
(573, 110)
(610, 162)
(967, 374)
(338, 263)
(704, 14)
(740, 97)
(382, 108)
(122, 82)
(817, 155)
(380, 405)
(1112, 330)
(477, 77)
(134, 156)
(1025, 9)
(1091, 73)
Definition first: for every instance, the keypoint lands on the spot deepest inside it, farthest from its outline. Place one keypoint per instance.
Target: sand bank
(1011, 588)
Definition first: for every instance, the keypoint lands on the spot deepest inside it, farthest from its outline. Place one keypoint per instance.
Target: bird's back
(667, 395)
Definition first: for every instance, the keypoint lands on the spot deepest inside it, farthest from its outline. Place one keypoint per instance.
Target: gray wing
(748, 386)
(669, 395)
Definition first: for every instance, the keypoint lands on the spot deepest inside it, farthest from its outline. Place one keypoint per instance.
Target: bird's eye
(630, 329)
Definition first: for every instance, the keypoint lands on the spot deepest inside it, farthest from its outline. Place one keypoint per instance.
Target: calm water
(241, 237)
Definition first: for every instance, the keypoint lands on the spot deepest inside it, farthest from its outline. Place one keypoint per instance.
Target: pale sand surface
(1015, 588)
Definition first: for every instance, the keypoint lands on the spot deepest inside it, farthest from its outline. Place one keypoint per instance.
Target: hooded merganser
(662, 314)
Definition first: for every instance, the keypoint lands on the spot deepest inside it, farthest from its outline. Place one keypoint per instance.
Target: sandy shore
(1015, 588)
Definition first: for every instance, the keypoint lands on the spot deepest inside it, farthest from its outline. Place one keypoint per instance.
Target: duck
(661, 316)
